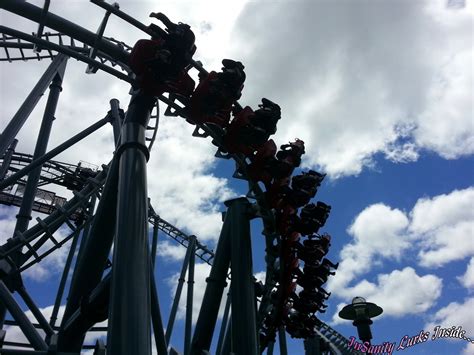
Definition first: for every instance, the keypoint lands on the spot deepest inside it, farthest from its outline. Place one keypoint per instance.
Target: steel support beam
(34, 13)
(129, 311)
(157, 320)
(23, 322)
(189, 299)
(20, 117)
(93, 258)
(7, 159)
(36, 311)
(53, 152)
(116, 119)
(282, 341)
(244, 319)
(24, 214)
(311, 346)
(64, 277)
(179, 289)
(270, 346)
(227, 344)
(224, 325)
(154, 244)
(216, 282)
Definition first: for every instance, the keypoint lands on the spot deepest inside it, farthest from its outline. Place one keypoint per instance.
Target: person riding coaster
(160, 63)
(249, 130)
(216, 93)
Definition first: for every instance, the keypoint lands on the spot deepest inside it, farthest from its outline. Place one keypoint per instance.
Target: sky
(380, 91)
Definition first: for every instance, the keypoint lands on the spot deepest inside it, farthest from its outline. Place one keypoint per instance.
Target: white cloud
(467, 280)
(181, 186)
(444, 225)
(468, 349)
(171, 251)
(8, 222)
(441, 228)
(260, 276)
(378, 232)
(399, 293)
(454, 314)
(347, 84)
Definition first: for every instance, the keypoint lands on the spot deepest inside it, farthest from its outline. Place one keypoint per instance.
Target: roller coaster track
(108, 54)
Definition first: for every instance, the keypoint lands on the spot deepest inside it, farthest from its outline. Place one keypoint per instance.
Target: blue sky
(381, 92)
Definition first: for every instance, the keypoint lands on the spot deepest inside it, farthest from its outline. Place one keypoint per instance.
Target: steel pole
(115, 115)
(270, 347)
(244, 319)
(216, 283)
(64, 277)
(189, 298)
(179, 289)
(35, 13)
(24, 214)
(20, 117)
(129, 311)
(23, 322)
(157, 320)
(224, 325)
(154, 244)
(7, 159)
(93, 257)
(227, 344)
(36, 311)
(282, 341)
(53, 152)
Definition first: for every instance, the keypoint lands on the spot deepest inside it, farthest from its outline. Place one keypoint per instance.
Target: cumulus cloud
(187, 194)
(454, 314)
(444, 227)
(441, 228)
(467, 280)
(348, 78)
(377, 232)
(170, 251)
(399, 293)
(468, 349)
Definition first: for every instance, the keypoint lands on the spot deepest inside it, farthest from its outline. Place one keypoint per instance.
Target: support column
(116, 119)
(36, 311)
(7, 159)
(282, 341)
(216, 283)
(224, 325)
(244, 319)
(156, 320)
(129, 310)
(92, 258)
(154, 244)
(24, 214)
(179, 289)
(23, 322)
(56, 72)
(189, 298)
(14, 126)
(311, 346)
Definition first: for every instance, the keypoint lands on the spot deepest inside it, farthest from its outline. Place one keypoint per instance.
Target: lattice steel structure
(123, 289)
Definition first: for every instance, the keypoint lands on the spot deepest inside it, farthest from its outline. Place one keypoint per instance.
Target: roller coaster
(110, 208)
